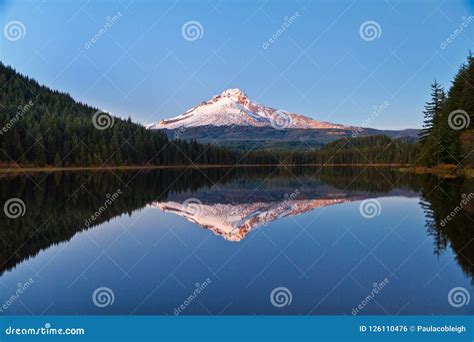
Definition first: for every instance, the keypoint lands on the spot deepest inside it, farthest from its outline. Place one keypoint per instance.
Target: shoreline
(50, 169)
(446, 171)
(442, 170)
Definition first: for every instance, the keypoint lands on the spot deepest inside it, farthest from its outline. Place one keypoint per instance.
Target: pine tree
(433, 109)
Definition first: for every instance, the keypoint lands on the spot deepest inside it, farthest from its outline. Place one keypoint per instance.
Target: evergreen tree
(432, 110)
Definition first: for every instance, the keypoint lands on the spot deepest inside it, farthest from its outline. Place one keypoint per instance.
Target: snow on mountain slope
(234, 222)
(233, 107)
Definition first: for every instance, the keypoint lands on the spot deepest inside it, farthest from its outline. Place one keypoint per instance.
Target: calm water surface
(219, 241)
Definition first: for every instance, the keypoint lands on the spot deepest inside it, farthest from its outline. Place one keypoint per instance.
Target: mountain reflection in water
(150, 236)
(230, 203)
(234, 209)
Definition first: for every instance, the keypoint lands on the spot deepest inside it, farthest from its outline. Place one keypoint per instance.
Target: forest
(447, 136)
(44, 127)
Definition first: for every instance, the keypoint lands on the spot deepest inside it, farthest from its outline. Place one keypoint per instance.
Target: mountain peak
(233, 92)
(232, 107)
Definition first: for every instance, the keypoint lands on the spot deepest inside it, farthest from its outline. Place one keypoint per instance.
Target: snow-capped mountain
(233, 210)
(233, 108)
(231, 119)
(234, 221)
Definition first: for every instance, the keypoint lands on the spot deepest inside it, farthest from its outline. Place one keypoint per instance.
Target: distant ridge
(233, 120)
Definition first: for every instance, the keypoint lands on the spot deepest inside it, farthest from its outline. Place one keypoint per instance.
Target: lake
(222, 241)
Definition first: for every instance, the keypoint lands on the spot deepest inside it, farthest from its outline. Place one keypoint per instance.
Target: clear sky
(319, 64)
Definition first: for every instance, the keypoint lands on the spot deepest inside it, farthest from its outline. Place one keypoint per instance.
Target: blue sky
(319, 65)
